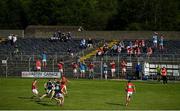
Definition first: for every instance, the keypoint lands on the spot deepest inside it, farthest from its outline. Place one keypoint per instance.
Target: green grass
(15, 93)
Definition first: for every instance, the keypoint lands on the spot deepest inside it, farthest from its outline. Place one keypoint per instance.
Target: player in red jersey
(113, 68)
(64, 81)
(91, 70)
(130, 88)
(60, 67)
(34, 88)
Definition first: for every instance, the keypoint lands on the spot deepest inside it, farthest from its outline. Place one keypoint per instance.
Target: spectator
(10, 39)
(38, 65)
(155, 39)
(61, 67)
(138, 70)
(90, 43)
(70, 52)
(149, 51)
(91, 70)
(14, 39)
(158, 69)
(82, 67)
(161, 45)
(105, 71)
(164, 75)
(113, 68)
(83, 44)
(75, 70)
(44, 59)
(123, 68)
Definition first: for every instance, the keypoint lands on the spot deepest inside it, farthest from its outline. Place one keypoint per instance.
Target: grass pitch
(15, 93)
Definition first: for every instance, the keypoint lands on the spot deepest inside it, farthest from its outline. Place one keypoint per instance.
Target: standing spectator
(61, 67)
(155, 39)
(91, 70)
(105, 71)
(75, 70)
(164, 75)
(14, 39)
(149, 51)
(44, 59)
(123, 68)
(113, 68)
(138, 70)
(161, 45)
(82, 67)
(10, 39)
(38, 65)
(158, 69)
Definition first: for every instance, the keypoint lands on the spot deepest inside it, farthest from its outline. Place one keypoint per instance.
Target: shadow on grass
(26, 97)
(117, 104)
(43, 103)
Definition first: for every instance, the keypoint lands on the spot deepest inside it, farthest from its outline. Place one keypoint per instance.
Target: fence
(14, 66)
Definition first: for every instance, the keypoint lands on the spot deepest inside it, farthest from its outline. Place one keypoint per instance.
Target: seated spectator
(100, 52)
(68, 36)
(70, 52)
(90, 43)
(83, 44)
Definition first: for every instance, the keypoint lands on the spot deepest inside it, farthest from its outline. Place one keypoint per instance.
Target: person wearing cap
(130, 89)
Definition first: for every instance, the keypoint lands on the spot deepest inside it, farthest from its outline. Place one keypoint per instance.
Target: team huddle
(53, 89)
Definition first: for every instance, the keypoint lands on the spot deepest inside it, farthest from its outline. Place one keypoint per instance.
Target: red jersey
(164, 71)
(64, 81)
(113, 65)
(123, 64)
(130, 87)
(38, 63)
(60, 65)
(91, 66)
(33, 85)
(74, 66)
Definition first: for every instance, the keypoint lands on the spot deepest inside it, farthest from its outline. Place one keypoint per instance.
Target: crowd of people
(61, 36)
(134, 48)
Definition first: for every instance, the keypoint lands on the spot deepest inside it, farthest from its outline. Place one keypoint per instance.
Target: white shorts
(34, 91)
(105, 72)
(82, 71)
(91, 70)
(129, 94)
(38, 68)
(124, 69)
(44, 60)
(61, 70)
(155, 41)
(74, 70)
(113, 70)
(59, 95)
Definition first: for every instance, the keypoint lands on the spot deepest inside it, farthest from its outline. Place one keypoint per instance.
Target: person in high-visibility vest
(130, 88)
(164, 75)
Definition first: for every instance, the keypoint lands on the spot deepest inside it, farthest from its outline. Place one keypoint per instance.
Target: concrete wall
(5, 33)
(108, 35)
